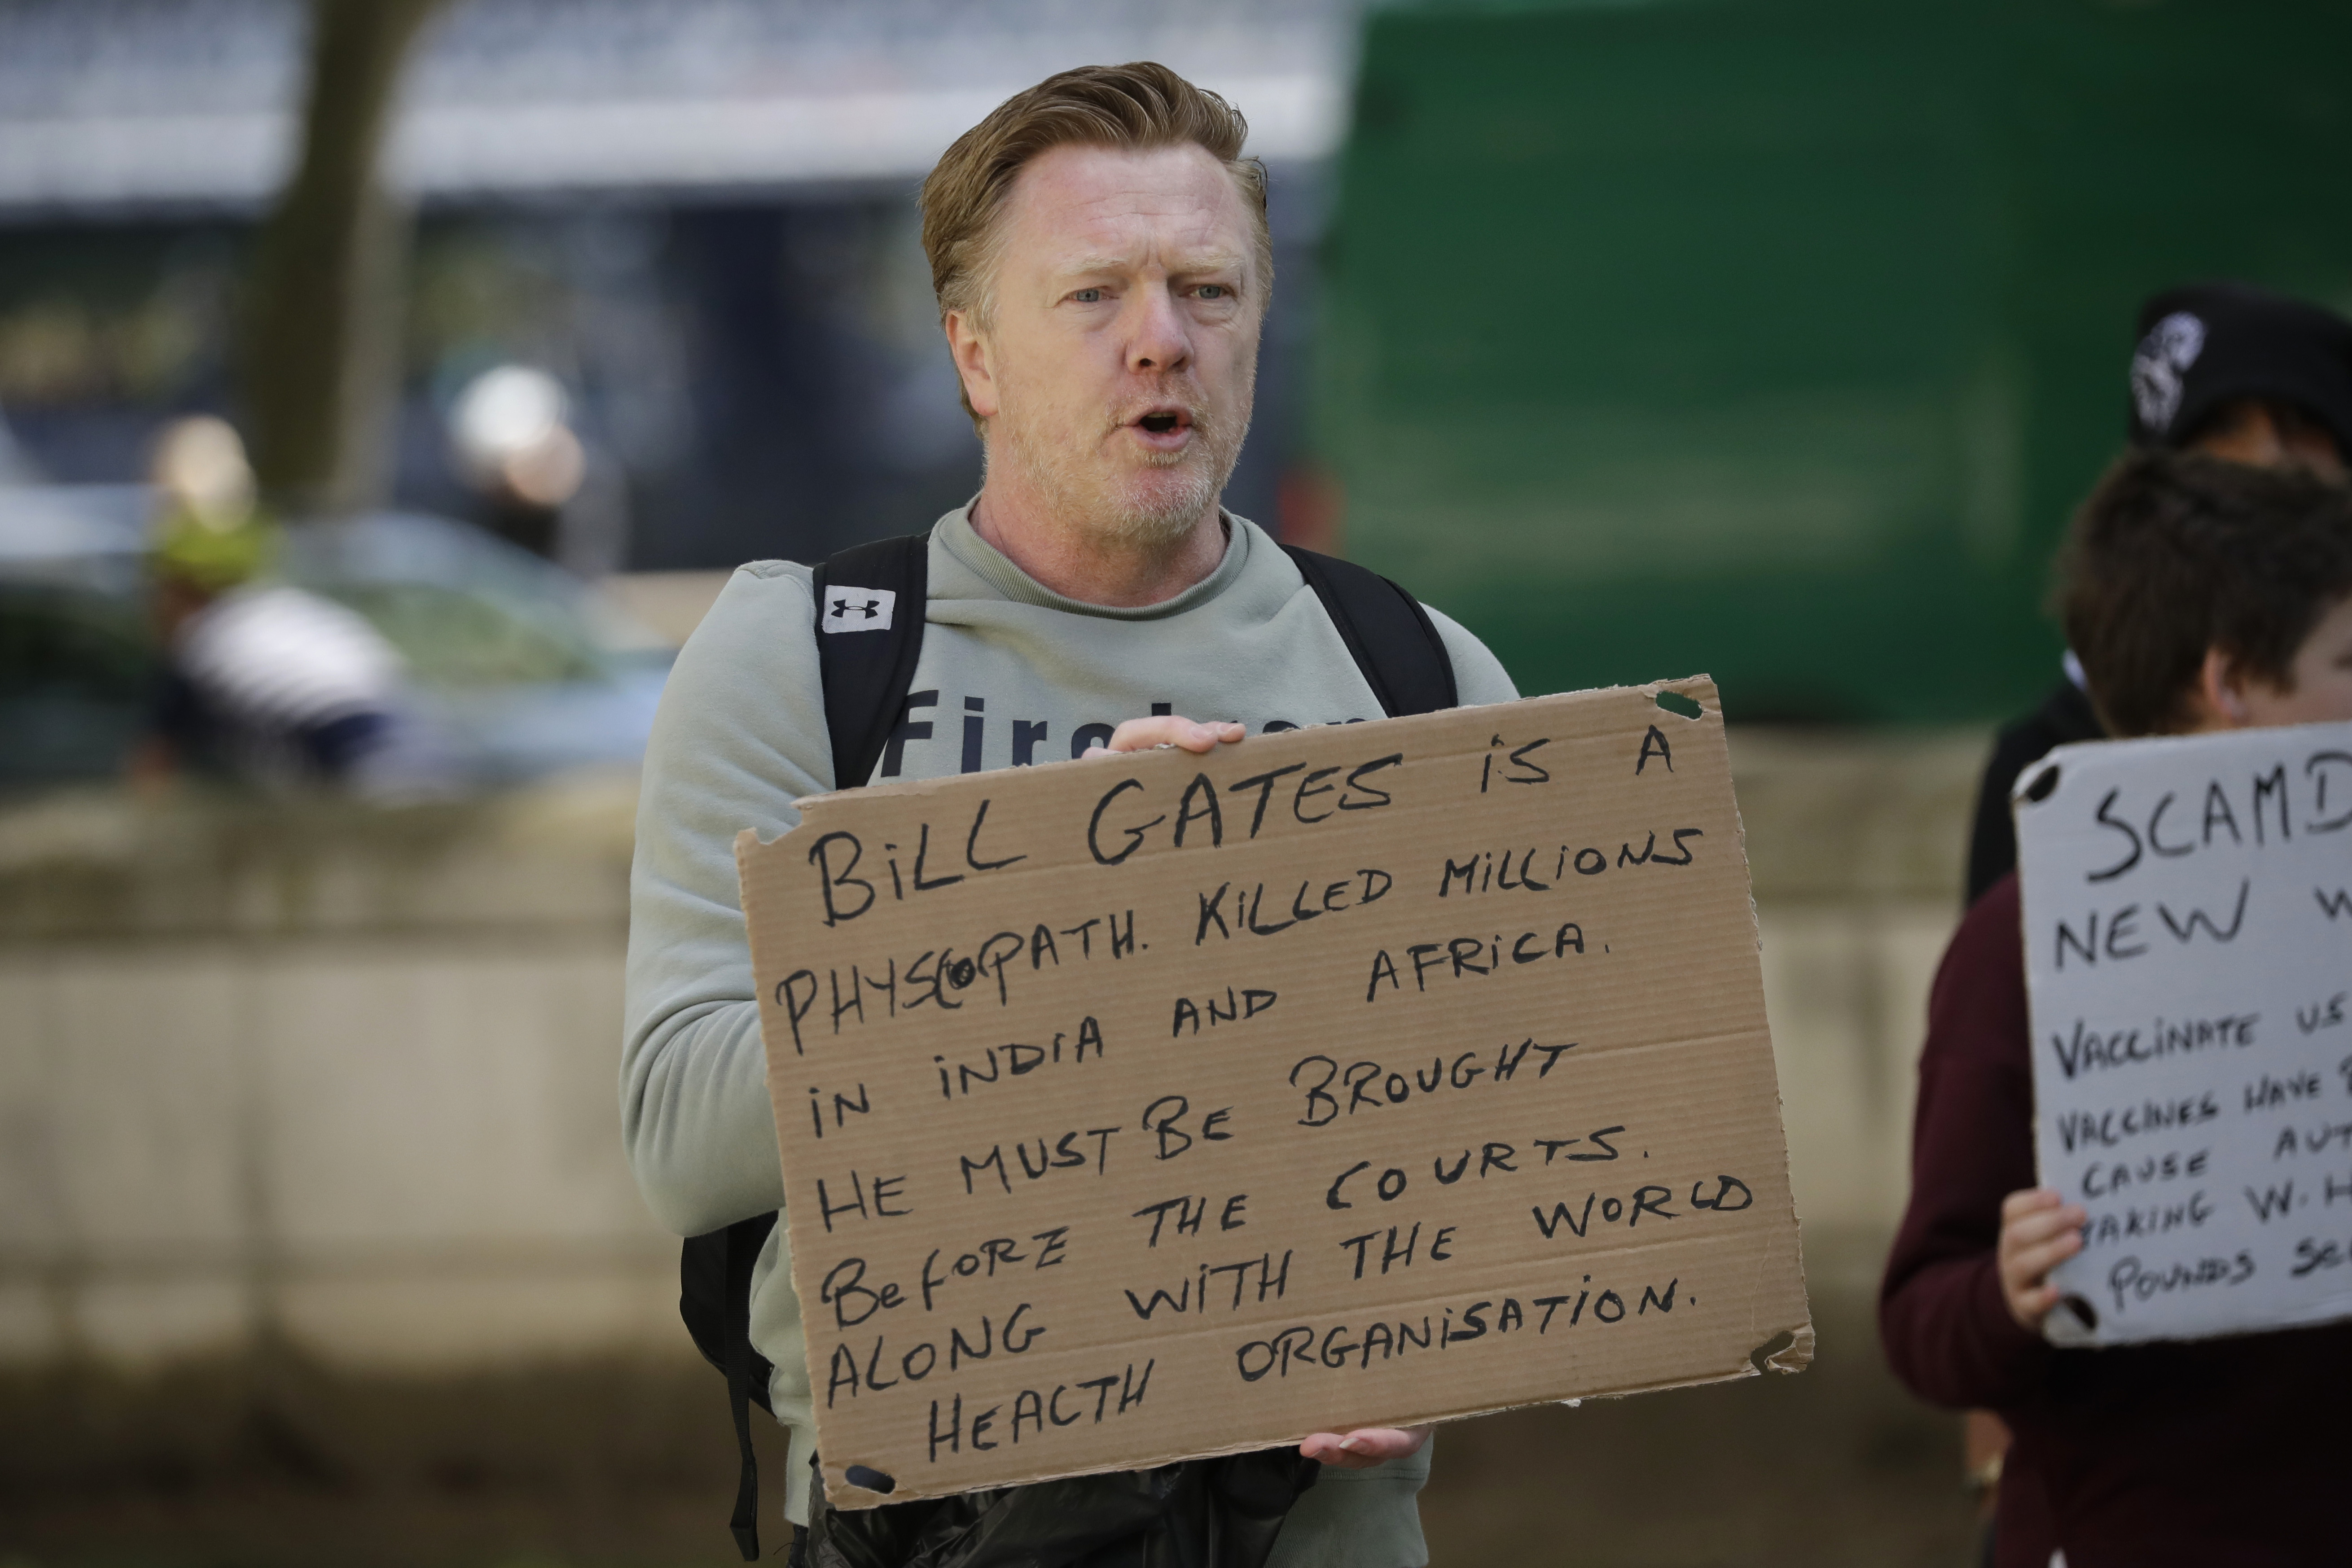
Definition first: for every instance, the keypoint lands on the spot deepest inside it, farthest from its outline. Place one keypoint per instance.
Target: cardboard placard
(2188, 914)
(1159, 1106)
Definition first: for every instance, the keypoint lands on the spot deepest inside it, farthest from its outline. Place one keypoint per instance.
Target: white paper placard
(2187, 916)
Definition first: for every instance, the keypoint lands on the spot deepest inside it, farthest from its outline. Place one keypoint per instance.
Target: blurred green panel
(1777, 338)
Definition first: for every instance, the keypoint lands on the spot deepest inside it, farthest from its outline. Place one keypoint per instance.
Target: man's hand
(2038, 1230)
(1366, 1447)
(1168, 729)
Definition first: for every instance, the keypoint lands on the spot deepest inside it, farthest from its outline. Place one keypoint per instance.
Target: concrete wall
(1857, 844)
(348, 1077)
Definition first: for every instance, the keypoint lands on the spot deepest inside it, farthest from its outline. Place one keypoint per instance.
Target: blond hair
(1134, 107)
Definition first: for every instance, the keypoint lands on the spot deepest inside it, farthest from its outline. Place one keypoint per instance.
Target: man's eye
(1087, 296)
(1212, 291)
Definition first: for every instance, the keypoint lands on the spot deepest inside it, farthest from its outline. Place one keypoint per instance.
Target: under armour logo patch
(857, 609)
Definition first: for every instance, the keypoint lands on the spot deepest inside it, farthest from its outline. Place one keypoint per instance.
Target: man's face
(1116, 374)
(2321, 687)
(2267, 434)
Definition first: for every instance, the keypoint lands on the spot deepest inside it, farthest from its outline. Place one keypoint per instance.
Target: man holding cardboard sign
(2178, 1074)
(1099, 250)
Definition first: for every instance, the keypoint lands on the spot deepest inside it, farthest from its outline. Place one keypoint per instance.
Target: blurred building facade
(699, 216)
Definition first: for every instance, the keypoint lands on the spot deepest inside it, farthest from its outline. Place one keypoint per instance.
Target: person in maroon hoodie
(2201, 595)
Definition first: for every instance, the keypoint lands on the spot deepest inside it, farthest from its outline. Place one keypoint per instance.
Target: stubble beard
(1150, 501)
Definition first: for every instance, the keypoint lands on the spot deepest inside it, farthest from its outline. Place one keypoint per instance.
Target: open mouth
(1163, 421)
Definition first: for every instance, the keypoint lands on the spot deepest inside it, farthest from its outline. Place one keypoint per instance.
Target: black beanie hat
(2206, 343)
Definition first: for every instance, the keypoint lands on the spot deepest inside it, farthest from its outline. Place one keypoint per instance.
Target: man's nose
(1160, 341)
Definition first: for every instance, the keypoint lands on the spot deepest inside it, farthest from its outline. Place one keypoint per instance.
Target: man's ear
(970, 349)
(2222, 693)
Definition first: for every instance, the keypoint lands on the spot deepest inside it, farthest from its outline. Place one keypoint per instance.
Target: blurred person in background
(263, 681)
(540, 485)
(1099, 251)
(2200, 595)
(2233, 372)
(2227, 369)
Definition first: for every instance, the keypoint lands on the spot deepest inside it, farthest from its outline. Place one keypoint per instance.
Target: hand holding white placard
(2188, 914)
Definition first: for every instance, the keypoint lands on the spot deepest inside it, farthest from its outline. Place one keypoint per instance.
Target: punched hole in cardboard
(2084, 1313)
(1676, 702)
(867, 1479)
(2044, 785)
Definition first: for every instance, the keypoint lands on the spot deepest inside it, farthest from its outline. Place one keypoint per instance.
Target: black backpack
(866, 678)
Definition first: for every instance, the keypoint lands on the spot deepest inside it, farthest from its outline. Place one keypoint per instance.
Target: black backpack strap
(1395, 644)
(744, 1239)
(870, 603)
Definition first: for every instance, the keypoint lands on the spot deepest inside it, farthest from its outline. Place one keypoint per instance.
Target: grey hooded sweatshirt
(1010, 673)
